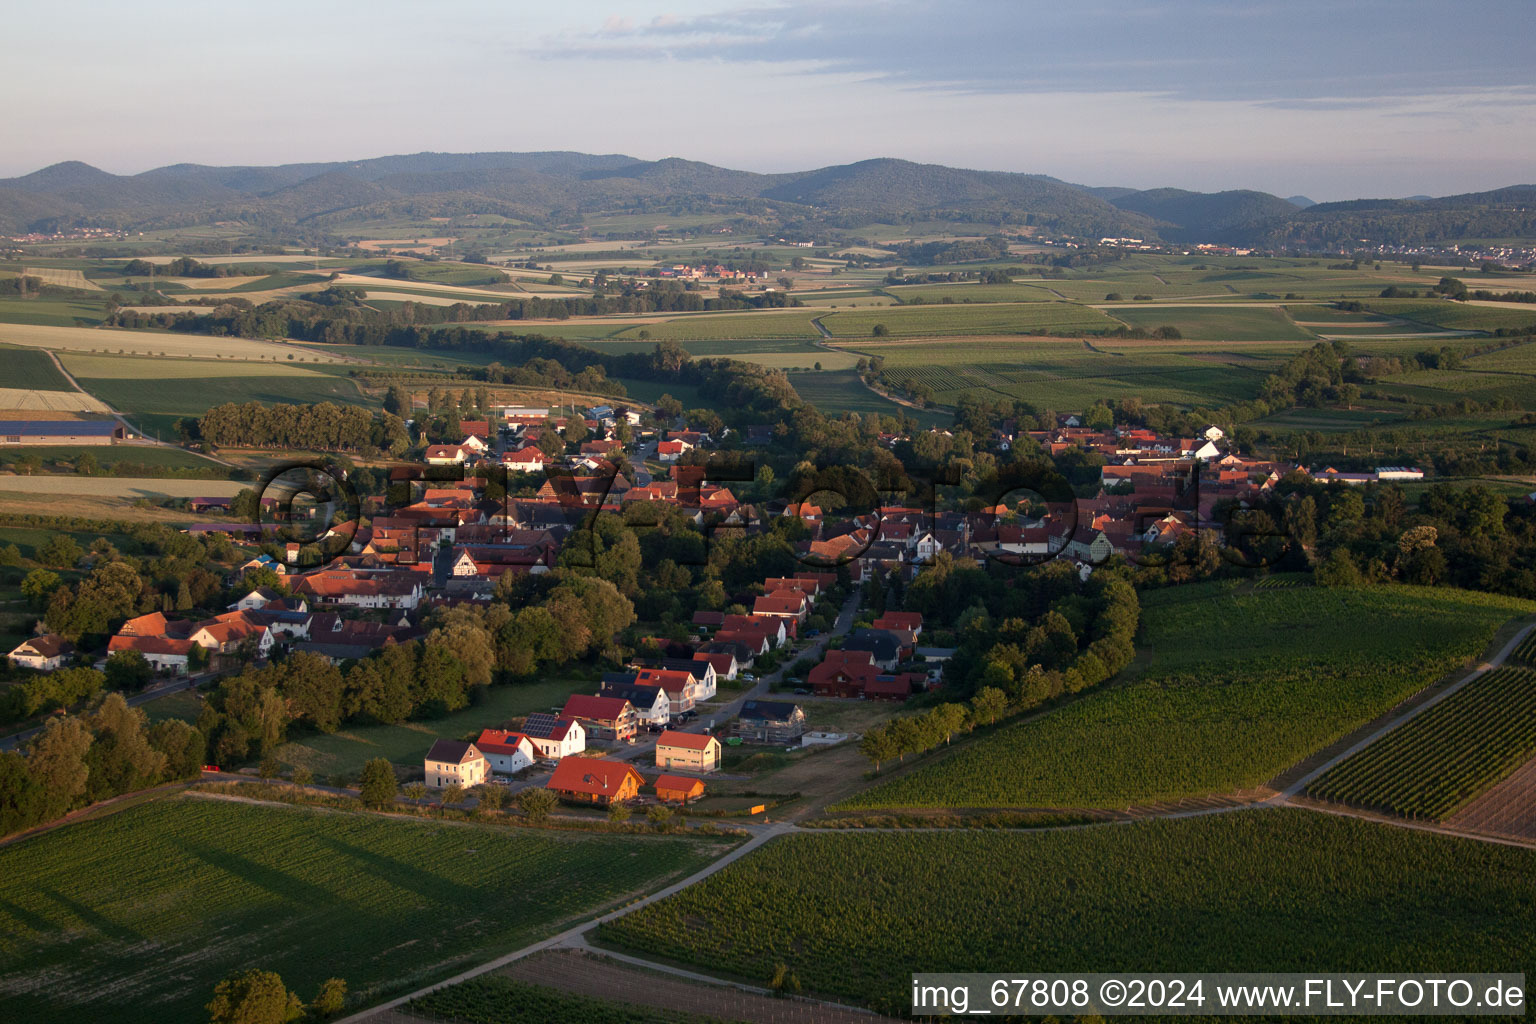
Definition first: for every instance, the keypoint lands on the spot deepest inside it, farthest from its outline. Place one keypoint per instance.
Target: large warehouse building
(71, 432)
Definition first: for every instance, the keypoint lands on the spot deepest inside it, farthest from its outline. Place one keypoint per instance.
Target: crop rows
(853, 914)
(212, 887)
(1240, 686)
(1525, 653)
(921, 321)
(1446, 756)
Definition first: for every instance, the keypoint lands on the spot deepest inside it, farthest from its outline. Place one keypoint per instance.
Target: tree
(416, 791)
(878, 745)
(988, 704)
(659, 817)
(330, 1000)
(60, 550)
(56, 760)
(253, 997)
(619, 813)
(184, 747)
(128, 671)
(880, 331)
(378, 784)
(121, 758)
(39, 586)
(490, 797)
(451, 794)
(536, 804)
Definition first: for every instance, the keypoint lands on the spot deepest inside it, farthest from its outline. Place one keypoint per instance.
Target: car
(801, 689)
(749, 677)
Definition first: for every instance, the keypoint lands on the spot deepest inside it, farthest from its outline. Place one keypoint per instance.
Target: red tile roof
(686, 740)
(592, 775)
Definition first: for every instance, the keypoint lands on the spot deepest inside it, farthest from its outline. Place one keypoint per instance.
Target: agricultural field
(29, 369)
(84, 365)
(1258, 890)
(1454, 316)
(156, 343)
(840, 391)
(406, 744)
(1443, 759)
(134, 917)
(1071, 373)
(1214, 323)
(17, 403)
(109, 456)
(961, 319)
(1211, 714)
(52, 312)
(155, 405)
(125, 487)
(744, 326)
(972, 291)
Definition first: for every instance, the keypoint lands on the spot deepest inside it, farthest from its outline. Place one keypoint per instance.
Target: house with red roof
(783, 604)
(696, 752)
(593, 780)
(605, 718)
(678, 789)
(723, 662)
(507, 752)
(164, 654)
(912, 621)
(554, 737)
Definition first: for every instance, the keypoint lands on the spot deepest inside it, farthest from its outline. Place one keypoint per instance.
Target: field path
(57, 362)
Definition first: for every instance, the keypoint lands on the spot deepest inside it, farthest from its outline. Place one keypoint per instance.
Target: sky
(1333, 100)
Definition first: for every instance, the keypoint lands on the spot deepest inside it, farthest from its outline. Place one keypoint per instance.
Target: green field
(109, 456)
(31, 369)
(972, 291)
(1447, 756)
(1455, 316)
(154, 405)
(134, 917)
(960, 319)
(1071, 373)
(1215, 323)
(1267, 890)
(1240, 686)
(839, 391)
(123, 368)
(53, 312)
(407, 744)
(743, 326)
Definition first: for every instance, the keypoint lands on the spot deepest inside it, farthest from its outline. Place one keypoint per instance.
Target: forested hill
(557, 189)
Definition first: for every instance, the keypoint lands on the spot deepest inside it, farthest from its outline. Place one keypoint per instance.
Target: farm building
(70, 432)
(693, 751)
(42, 653)
(592, 780)
(455, 763)
(676, 789)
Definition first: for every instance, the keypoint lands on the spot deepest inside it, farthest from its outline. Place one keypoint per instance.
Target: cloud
(1304, 50)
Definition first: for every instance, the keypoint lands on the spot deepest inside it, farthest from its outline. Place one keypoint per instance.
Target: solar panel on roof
(539, 724)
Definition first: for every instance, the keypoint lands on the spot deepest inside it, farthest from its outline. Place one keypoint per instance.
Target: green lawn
(1241, 685)
(1455, 316)
(53, 312)
(160, 901)
(1268, 890)
(407, 744)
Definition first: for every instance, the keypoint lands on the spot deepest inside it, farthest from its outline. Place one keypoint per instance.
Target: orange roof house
(593, 780)
(675, 789)
(689, 750)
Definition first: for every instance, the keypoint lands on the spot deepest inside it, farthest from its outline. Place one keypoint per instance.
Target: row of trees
(325, 426)
(81, 759)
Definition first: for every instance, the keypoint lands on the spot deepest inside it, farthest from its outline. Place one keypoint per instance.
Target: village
(757, 675)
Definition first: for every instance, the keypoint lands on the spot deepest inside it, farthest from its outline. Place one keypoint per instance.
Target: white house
(554, 737)
(455, 763)
(42, 653)
(526, 460)
(507, 752)
(256, 599)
